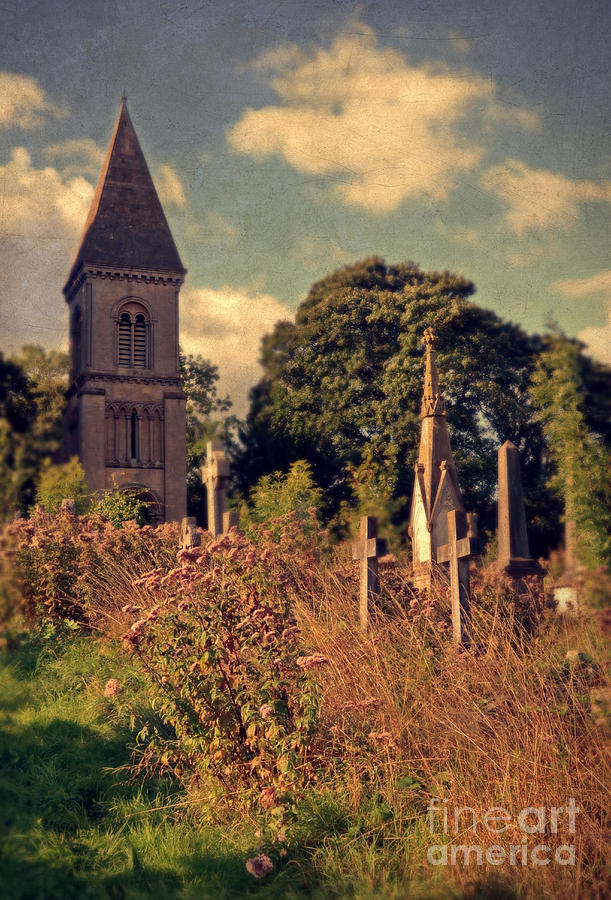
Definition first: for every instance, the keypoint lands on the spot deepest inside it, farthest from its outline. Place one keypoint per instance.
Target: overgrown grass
(71, 825)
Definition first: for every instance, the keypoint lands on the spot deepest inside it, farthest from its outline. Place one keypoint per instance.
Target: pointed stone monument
(436, 488)
(215, 475)
(514, 557)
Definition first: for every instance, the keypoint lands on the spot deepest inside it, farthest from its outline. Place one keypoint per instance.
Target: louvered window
(133, 339)
(140, 341)
(125, 340)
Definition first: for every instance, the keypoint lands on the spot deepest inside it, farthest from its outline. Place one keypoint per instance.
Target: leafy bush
(66, 566)
(219, 642)
(281, 493)
(64, 482)
(119, 506)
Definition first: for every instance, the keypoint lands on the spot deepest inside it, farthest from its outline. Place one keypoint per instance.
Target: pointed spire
(433, 403)
(126, 226)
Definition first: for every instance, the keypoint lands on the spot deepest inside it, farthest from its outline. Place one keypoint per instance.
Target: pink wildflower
(259, 866)
(309, 662)
(112, 688)
(266, 710)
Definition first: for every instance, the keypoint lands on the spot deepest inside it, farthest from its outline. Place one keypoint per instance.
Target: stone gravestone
(231, 519)
(215, 475)
(189, 535)
(367, 548)
(514, 557)
(68, 506)
(462, 544)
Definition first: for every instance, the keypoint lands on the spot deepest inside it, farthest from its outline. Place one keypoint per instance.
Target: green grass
(70, 825)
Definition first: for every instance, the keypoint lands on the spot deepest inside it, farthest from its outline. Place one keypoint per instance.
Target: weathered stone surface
(189, 535)
(514, 557)
(215, 475)
(231, 519)
(125, 416)
(68, 506)
(367, 548)
(436, 488)
(461, 546)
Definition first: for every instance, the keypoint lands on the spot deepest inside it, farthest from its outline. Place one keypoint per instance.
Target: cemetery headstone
(368, 548)
(513, 553)
(68, 506)
(461, 546)
(189, 535)
(215, 475)
(231, 519)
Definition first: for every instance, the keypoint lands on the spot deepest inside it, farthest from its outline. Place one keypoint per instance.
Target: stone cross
(462, 544)
(215, 475)
(513, 554)
(367, 548)
(231, 519)
(189, 535)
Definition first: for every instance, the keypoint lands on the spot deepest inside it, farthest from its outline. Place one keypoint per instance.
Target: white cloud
(537, 198)
(80, 156)
(42, 214)
(382, 129)
(226, 327)
(582, 287)
(596, 338)
(169, 187)
(23, 102)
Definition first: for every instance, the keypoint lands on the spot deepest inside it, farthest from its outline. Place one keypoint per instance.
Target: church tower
(126, 409)
(436, 488)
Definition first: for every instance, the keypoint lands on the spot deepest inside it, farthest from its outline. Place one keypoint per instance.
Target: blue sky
(288, 138)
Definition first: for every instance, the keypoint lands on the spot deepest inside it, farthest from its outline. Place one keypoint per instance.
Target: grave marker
(462, 544)
(189, 535)
(367, 548)
(231, 519)
(215, 475)
(513, 553)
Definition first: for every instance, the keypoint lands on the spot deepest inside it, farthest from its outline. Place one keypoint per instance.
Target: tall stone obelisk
(513, 551)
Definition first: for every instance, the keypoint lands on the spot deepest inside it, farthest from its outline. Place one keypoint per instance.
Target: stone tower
(436, 488)
(126, 409)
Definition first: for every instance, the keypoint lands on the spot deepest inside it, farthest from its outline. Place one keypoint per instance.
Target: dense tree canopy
(342, 387)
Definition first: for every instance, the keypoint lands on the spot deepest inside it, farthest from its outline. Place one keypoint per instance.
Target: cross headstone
(367, 548)
(215, 475)
(513, 554)
(231, 519)
(462, 544)
(189, 535)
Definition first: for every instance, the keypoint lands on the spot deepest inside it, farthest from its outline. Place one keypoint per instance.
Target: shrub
(282, 493)
(119, 506)
(66, 566)
(219, 642)
(66, 481)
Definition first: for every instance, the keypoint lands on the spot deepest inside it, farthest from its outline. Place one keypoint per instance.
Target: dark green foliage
(343, 386)
(581, 462)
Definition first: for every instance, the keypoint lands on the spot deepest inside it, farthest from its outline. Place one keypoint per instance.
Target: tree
(200, 379)
(17, 413)
(342, 386)
(63, 482)
(580, 460)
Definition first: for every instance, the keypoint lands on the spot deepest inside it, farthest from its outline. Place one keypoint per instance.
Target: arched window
(133, 337)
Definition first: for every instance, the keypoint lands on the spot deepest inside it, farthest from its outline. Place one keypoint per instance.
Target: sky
(288, 138)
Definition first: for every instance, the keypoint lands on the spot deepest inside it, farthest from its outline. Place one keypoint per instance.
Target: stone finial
(433, 403)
